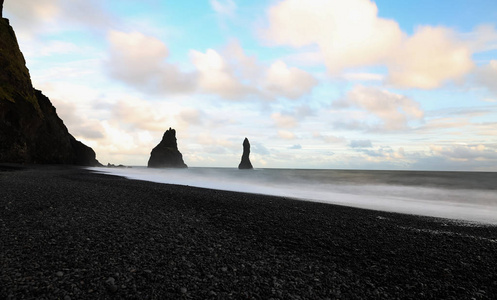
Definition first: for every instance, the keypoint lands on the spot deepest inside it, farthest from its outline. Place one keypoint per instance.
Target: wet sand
(67, 233)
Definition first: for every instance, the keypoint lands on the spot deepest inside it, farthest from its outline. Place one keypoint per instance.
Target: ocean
(463, 196)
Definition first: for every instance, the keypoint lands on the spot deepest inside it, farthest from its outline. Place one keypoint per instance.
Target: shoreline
(69, 233)
(411, 202)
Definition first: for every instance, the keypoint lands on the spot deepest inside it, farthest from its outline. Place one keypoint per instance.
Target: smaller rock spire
(245, 163)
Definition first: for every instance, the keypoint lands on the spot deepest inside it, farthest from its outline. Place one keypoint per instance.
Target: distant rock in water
(30, 129)
(109, 165)
(245, 163)
(166, 153)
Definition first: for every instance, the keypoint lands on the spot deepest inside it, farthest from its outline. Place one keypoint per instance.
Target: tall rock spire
(166, 153)
(245, 163)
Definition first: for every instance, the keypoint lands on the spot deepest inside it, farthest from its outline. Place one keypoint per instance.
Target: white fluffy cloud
(430, 57)
(288, 82)
(351, 34)
(140, 61)
(394, 111)
(217, 77)
(235, 75)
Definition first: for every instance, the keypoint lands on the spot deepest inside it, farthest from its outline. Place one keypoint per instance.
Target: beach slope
(67, 233)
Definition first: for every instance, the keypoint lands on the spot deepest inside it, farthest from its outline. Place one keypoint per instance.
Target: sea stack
(166, 153)
(245, 163)
(30, 130)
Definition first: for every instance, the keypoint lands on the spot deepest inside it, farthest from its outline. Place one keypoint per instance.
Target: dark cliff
(166, 153)
(30, 129)
(245, 163)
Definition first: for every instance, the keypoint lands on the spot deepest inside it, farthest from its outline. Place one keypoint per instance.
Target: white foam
(463, 204)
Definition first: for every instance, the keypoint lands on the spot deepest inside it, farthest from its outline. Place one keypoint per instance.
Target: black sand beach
(67, 233)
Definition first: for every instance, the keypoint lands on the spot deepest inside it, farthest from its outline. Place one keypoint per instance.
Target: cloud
(31, 13)
(191, 116)
(286, 135)
(458, 157)
(291, 117)
(140, 61)
(288, 82)
(57, 15)
(234, 75)
(361, 144)
(312, 57)
(141, 115)
(465, 152)
(136, 114)
(394, 111)
(284, 121)
(206, 139)
(87, 12)
(483, 38)
(57, 48)
(329, 138)
(74, 105)
(216, 76)
(450, 122)
(383, 154)
(486, 76)
(304, 111)
(225, 8)
(246, 65)
(295, 147)
(363, 77)
(205, 143)
(79, 125)
(259, 148)
(430, 57)
(350, 34)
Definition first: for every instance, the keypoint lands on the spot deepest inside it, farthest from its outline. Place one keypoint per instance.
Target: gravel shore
(67, 233)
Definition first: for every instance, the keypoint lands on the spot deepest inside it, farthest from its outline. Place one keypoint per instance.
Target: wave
(419, 193)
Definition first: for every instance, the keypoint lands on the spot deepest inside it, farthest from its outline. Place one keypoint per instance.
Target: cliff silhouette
(30, 129)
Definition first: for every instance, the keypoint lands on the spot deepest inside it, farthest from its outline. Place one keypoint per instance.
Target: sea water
(467, 196)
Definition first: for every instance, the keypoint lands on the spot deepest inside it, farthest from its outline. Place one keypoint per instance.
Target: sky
(358, 84)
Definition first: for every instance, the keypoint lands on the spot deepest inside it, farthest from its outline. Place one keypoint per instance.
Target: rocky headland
(30, 129)
(166, 153)
(245, 163)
